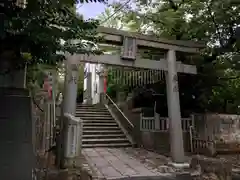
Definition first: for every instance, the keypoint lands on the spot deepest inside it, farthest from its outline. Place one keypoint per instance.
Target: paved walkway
(111, 163)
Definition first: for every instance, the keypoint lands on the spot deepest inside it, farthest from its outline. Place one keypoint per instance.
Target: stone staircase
(99, 127)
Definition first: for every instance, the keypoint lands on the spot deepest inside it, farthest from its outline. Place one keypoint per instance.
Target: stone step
(102, 136)
(93, 112)
(113, 145)
(95, 118)
(98, 121)
(93, 115)
(100, 128)
(93, 108)
(85, 124)
(97, 132)
(89, 105)
(105, 141)
(85, 105)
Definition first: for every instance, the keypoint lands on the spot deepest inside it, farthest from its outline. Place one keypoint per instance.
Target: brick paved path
(111, 163)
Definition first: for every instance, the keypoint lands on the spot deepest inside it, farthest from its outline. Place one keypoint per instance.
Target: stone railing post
(73, 138)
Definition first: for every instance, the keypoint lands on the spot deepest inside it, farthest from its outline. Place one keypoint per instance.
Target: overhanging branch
(209, 7)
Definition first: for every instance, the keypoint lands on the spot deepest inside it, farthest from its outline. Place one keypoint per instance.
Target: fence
(161, 124)
(201, 136)
(147, 123)
(43, 112)
(215, 133)
(200, 145)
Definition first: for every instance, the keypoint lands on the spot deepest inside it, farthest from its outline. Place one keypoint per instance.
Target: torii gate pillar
(174, 113)
(70, 86)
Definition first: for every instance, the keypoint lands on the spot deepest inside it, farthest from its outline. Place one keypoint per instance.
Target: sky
(92, 10)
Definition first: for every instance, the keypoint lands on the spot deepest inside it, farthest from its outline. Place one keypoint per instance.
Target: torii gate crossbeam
(116, 60)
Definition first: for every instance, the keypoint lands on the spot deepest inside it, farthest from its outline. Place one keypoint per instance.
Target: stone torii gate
(131, 43)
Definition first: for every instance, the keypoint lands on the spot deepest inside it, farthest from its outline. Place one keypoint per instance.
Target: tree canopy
(35, 32)
(216, 22)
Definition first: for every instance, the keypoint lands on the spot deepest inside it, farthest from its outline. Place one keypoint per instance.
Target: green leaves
(40, 28)
(211, 21)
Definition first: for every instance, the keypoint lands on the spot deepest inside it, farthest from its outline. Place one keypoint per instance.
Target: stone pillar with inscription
(174, 113)
(70, 92)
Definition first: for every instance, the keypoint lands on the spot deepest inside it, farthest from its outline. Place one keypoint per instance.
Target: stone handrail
(119, 110)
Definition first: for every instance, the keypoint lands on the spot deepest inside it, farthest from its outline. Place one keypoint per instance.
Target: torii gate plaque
(170, 65)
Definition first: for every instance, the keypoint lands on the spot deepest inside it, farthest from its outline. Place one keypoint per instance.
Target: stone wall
(16, 134)
(160, 141)
(222, 129)
(219, 127)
